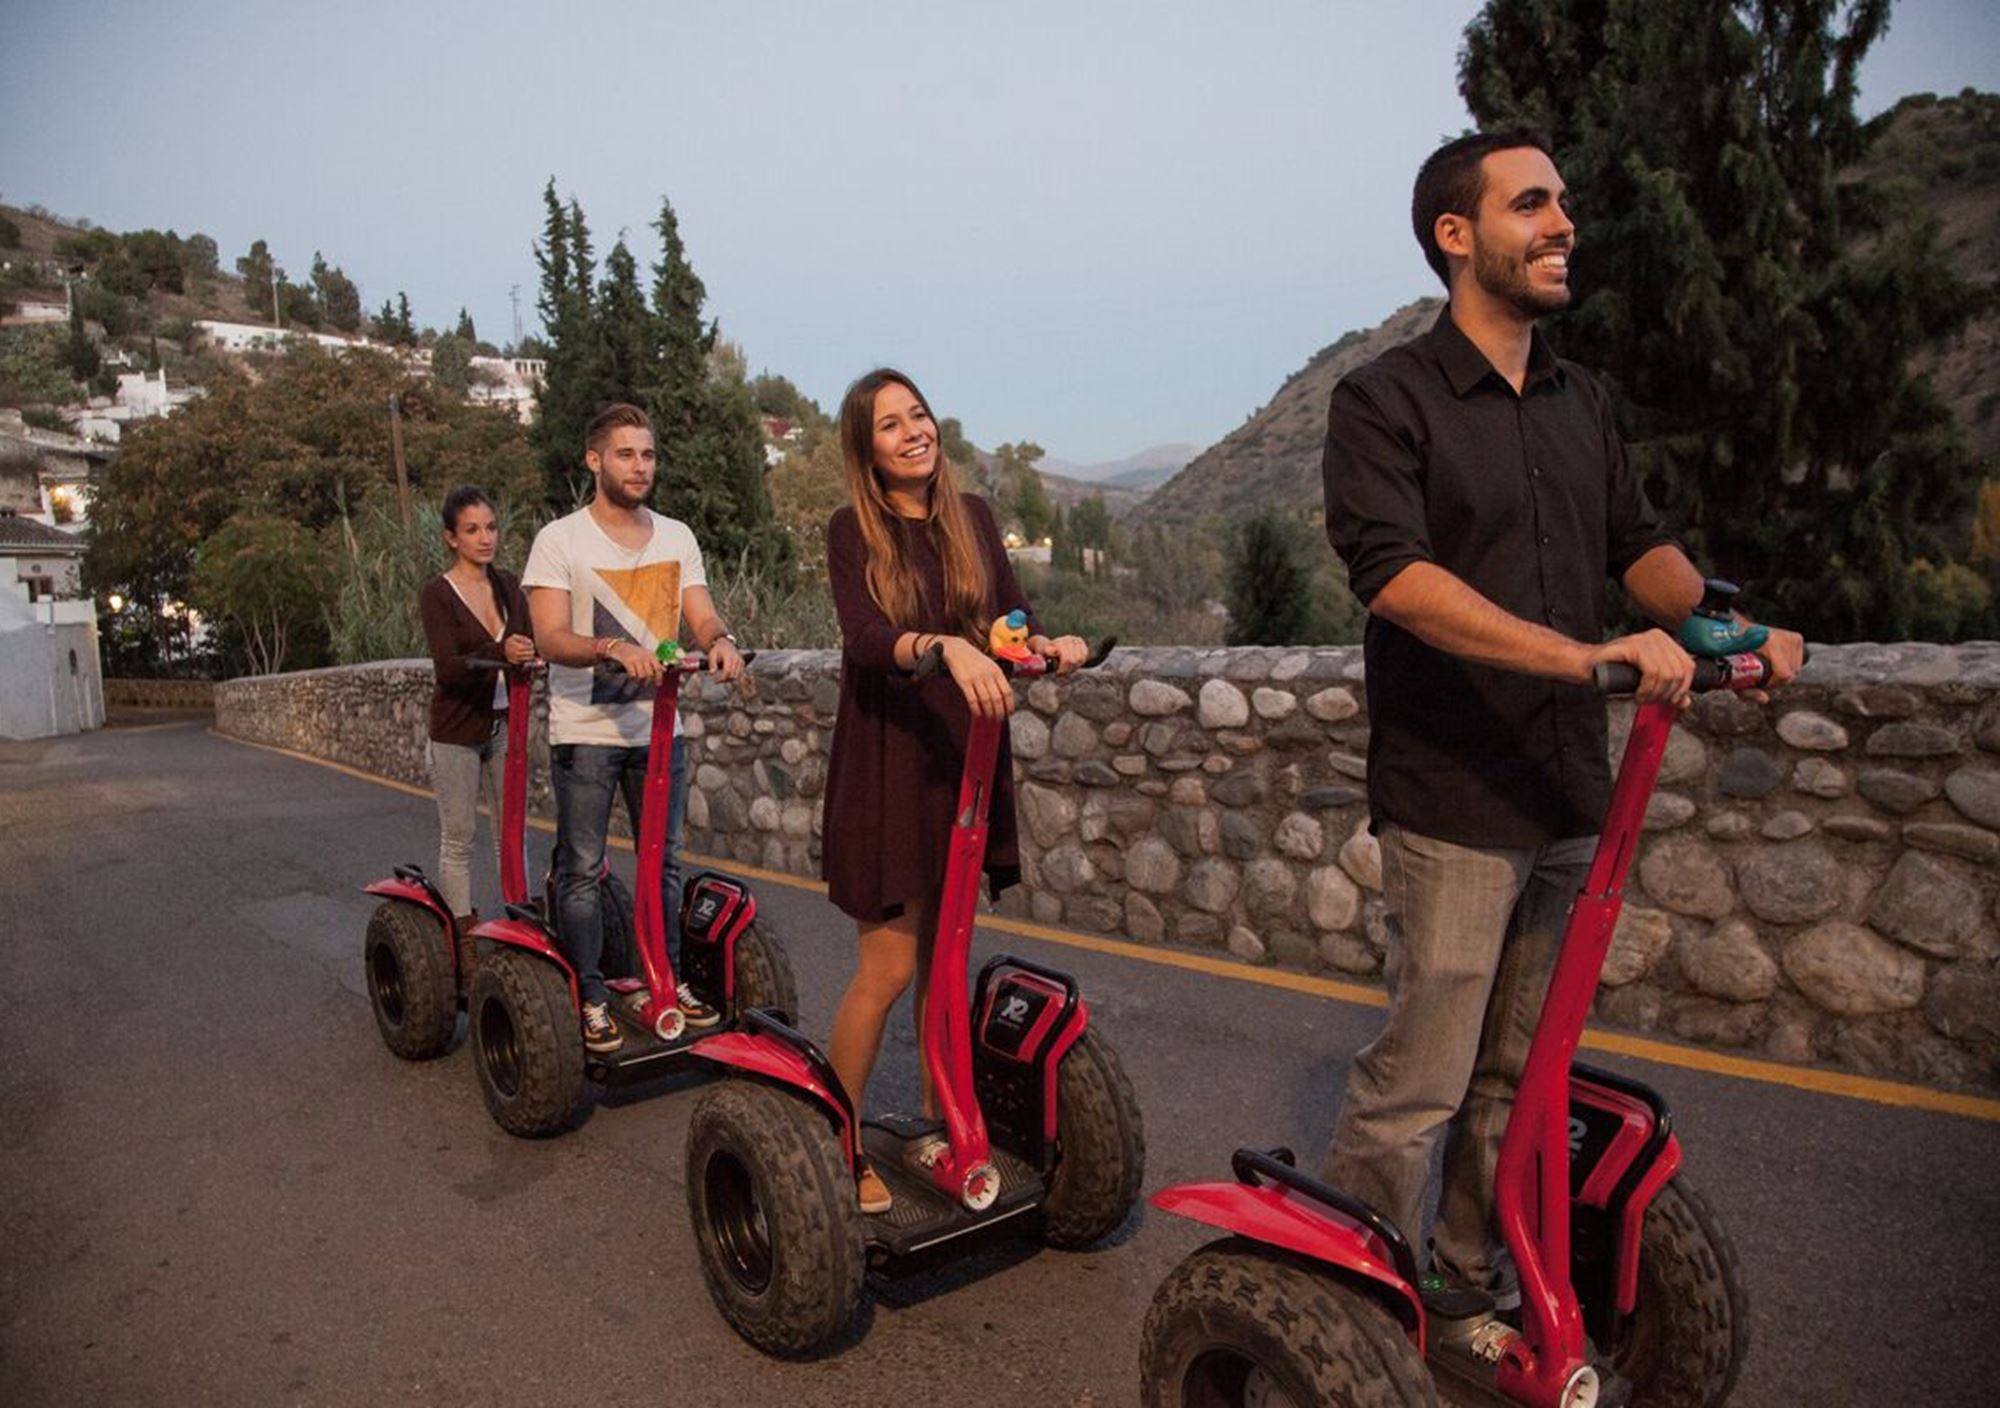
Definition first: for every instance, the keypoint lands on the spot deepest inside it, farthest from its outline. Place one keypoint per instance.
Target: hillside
(1273, 458)
(1943, 154)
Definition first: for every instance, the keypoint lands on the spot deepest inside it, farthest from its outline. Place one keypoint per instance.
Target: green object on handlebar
(1713, 628)
(668, 651)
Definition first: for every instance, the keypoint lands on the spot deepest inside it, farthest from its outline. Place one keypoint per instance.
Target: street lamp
(116, 602)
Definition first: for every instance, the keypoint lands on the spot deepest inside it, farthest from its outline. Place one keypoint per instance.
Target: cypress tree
(1270, 591)
(711, 450)
(1755, 308)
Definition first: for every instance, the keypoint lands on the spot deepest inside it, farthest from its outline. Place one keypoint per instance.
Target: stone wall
(159, 694)
(1818, 880)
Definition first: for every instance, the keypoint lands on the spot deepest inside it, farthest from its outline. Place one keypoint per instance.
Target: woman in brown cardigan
(913, 563)
(471, 611)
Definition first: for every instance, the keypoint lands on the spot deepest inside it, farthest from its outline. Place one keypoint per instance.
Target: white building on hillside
(141, 396)
(262, 337)
(513, 382)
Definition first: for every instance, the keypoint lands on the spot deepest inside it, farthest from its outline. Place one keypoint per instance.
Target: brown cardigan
(462, 704)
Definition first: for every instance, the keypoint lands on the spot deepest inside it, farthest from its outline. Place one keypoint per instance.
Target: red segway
(525, 1012)
(1038, 1115)
(1629, 1285)
(419, 964)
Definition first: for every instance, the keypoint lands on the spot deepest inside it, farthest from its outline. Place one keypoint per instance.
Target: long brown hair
(891, 580)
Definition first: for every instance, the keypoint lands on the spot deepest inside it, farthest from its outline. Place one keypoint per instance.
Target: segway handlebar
(480, 662)
(1721, 672)
(688, 661)
(931, 662)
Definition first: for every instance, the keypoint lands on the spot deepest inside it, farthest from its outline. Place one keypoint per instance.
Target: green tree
(1269, 585)
(1755, 307)
(451, 364)
(302, 309)
(465, 328)
(573, 384)
(80, 353)
(201, 261)
(339, 299)
(256, 269)
(259, 578)
(394, 325)
(705, 419)
(10, 233)
(1090, 525)
(156, 258)
(306, 439)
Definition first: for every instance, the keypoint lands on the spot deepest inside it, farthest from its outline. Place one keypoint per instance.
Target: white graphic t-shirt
(625, 593)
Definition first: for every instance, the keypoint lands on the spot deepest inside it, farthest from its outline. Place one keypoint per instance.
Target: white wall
(51, 681)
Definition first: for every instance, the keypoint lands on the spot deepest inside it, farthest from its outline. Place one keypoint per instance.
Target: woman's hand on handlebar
(985, 686)
(519, 650)
(1666, 672)
(1064, 653)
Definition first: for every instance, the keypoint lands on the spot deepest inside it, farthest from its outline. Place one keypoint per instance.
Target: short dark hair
(1450, 182)
(619, 415)
(465, 496)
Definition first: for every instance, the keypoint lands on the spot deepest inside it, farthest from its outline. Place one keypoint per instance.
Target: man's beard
(1507, 280)
(617, 497)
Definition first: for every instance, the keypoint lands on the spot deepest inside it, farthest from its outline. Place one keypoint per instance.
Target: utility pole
(514, 297)
(277, 309)
(396, 450)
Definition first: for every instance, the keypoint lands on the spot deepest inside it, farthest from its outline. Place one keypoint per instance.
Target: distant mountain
(1153, 465)
(1272, 459)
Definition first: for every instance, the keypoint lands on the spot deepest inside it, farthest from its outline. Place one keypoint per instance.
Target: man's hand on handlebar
(725, 661)
(1786, 650)
(1064, 653)
(641, 665)
(1666, 672)
(988, 692)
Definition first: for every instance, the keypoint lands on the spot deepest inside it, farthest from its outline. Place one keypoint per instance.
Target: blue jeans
(584, 777)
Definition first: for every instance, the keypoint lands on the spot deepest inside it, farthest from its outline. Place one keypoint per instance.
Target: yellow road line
(1808, 1078)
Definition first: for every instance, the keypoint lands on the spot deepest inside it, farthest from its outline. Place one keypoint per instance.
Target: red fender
(1657, 1177)
(1276, 1218)
(411, 893)
(771, 1059)
(516, 933)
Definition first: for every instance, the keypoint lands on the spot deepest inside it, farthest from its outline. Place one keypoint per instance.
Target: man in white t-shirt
(606, 585)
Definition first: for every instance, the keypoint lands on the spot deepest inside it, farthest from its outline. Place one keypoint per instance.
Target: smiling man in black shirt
(1479, 494)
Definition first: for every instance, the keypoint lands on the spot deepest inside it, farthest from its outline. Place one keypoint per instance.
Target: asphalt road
(217, 1186)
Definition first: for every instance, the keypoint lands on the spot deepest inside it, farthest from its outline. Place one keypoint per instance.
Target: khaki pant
(1473, 937)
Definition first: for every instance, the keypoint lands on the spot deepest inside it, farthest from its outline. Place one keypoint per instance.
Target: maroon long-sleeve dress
(899, 743)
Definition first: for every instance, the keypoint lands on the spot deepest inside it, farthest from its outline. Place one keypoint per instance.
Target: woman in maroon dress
(913, 563)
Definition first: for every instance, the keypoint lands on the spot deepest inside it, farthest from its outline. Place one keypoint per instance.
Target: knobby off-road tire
(1237, 1324)
(1690, 1330)
(776, 1222)
(1102, 1142)
(764, 975)
(527, 1046)
(411, 984)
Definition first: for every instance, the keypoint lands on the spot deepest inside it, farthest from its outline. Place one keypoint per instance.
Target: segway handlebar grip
(1721, 672)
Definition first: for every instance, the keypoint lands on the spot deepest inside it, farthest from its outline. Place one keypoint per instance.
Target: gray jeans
(1473, 937)
(460, 774)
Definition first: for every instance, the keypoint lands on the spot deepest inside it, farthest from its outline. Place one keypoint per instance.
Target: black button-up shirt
(1527, 498)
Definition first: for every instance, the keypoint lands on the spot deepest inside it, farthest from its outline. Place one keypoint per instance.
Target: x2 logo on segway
(715, 910)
